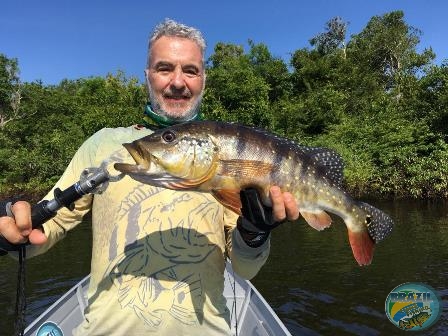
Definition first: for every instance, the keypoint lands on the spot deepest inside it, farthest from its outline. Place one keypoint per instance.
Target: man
(159, 255)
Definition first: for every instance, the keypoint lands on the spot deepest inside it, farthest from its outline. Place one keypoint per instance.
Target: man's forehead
(175, 49)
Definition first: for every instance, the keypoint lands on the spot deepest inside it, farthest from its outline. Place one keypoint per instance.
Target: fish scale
(224, 158)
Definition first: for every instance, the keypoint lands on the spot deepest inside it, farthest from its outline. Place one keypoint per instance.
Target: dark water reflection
(316, 287)
(47, 277)
(311, 279)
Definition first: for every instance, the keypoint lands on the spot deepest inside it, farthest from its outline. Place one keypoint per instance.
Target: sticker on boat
(49, 328)
(413, 306)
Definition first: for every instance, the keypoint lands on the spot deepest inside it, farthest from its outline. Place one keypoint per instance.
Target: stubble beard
(184, 115)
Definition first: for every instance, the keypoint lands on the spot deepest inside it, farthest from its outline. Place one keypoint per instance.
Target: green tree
(387, 48)
(36, 150)
(10, 91)
(373, 98)
(333, 38)
(432, 100)
(273, 70)
(112, 101)
(235, 89)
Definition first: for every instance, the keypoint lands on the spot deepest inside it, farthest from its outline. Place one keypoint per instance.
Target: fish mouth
(146, 168)
(143, 162)
(150, 170)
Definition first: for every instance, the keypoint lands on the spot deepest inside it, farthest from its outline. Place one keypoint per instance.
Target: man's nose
(178, 80)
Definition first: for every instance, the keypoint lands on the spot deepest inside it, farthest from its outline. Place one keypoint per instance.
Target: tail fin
(362, 246)
(380, 224)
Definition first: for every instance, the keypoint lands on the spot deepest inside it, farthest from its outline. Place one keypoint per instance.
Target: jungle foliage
(373, 97)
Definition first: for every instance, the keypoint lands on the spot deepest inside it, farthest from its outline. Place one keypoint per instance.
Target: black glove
(257, 221)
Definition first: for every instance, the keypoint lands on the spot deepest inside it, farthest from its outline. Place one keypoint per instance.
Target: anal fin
(319, 220)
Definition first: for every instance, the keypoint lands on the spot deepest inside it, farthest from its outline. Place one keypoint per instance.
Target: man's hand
(258, 220)
(18, 229)
(284, 205)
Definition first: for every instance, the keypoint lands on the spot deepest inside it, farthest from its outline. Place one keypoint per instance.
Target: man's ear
(146, 71)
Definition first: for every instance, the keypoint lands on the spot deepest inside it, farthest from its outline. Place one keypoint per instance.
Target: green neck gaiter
(154, 120)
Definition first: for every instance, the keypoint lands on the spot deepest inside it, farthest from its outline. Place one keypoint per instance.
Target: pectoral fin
(229, 198)
(319, 220)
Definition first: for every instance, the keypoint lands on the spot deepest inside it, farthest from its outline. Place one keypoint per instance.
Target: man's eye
(163, 70)
(191, 72)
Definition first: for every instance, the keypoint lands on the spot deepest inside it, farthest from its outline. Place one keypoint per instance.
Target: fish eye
(168, 136)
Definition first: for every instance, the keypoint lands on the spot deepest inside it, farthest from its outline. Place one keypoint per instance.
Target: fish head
(174, 157)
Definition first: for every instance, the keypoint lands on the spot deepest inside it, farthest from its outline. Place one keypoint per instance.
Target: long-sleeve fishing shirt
(158, 255)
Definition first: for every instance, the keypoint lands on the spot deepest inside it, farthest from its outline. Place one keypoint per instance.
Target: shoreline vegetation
(373, 97)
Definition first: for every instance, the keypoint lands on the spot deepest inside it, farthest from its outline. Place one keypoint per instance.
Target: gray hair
(175, 29)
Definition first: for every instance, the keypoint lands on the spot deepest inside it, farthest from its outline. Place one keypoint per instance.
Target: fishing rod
(92, 181)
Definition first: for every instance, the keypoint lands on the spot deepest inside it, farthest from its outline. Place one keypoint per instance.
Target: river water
(311, 279)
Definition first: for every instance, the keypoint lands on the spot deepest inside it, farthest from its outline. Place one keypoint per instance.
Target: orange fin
(318, 220)
(229, 198)
(362, 246)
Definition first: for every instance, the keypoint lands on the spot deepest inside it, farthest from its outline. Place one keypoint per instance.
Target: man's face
(175, 77)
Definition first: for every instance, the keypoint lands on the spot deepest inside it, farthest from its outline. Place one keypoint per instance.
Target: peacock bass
(223, 158)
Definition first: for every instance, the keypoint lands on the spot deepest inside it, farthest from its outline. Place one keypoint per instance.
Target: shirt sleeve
(65, 220)
(246, 261)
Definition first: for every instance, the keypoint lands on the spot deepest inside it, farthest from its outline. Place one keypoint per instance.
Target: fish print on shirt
(161, 244)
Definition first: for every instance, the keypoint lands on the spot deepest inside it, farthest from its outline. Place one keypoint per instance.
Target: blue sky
(53, 40)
